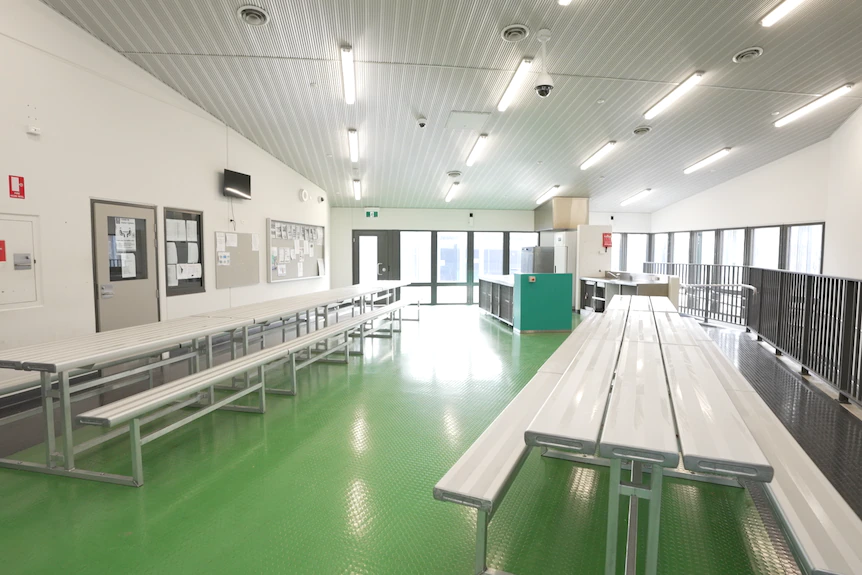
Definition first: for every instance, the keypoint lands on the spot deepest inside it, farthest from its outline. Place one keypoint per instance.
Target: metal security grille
(815, 319)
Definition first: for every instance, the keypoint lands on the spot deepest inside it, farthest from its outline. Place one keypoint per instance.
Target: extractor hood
(562, 214)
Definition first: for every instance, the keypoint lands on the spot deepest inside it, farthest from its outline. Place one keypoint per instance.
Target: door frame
(391, 245)
(93, 202)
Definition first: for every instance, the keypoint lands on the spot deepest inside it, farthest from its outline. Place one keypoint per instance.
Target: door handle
(380, 268)
(106, 291)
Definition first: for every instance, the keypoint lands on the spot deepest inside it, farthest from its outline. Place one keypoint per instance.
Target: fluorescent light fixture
(353, 142)
(675, 95)
(638, 196)
(477, 149)
(821, 101)
(238, 192)
(707, 161)
(451, 193)
(514, 84)
(348, 74)
(606, 149)
(564, 2)
(548, 195)
(357, 190)
(780, 12)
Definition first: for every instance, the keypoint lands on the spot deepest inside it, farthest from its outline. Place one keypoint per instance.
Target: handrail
(746, 286)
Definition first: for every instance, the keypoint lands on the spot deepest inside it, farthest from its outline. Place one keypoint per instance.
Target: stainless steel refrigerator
(537, 260)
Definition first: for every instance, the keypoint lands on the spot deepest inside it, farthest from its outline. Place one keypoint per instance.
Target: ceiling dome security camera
(544, 85)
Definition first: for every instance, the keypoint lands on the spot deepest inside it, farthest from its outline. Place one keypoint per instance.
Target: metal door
(17, 261)
(374, 256)
(124, 265)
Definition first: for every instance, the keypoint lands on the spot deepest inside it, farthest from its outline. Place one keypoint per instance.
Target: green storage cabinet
(544, 304)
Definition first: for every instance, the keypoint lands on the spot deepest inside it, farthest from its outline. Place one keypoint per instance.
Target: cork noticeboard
(237, 260)
(294, 251)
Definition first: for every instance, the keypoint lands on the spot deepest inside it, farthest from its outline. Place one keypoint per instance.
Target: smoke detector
(514, 32)
(253, 15)
(454, 174)
(747, 55)
(641, 130)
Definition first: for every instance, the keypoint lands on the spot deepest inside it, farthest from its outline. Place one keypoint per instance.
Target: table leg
(654, 519)
(66, 420)
(48, 416)
(245, 350)
(613, 518)
(210, 366)
(480, 565)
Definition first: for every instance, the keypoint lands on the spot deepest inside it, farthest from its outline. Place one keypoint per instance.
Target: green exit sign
(372, 212)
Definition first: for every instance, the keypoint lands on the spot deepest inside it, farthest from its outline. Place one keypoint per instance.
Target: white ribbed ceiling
(280, 86)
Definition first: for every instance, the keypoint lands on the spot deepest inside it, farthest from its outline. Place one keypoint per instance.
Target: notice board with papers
(237, 259)
(294, 251)
(184, 257)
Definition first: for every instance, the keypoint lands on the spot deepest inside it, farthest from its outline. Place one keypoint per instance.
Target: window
(452, 294)
(659, 248)
(733, 247)
(680, 247)
(765, 247)
(636, 252)
(451, 257)
(704, 247)
(616, 248)
(416, 257)
(487, 254)
(518, 241)
(367, 259)
(805, 249)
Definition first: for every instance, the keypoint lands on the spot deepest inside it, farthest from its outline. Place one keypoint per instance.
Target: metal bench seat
(562, 358)
(19, 383)
(199, 387)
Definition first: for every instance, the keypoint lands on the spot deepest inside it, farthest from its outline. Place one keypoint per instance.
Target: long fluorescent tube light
(451, 193)
(780, 12)
(675, 95)
(604, 151)
(564, 2)
(353, 142)
(821, 101)
(638, 196)
(348, 74)
(707, 161)
(514, 84)
(238, 192)
(548, 195)
(357, 190)
(477, 149)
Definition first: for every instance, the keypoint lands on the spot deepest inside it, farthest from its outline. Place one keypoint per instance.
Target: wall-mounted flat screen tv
(237, 185)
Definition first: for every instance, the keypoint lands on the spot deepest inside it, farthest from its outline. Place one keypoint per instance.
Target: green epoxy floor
(339, 480)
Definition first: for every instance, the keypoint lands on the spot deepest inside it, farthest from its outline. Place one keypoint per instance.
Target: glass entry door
(374, 257)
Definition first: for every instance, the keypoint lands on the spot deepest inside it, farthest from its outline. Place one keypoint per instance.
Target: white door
(125, 271)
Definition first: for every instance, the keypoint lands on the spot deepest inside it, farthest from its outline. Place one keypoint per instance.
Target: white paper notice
(281, 257)
(282, 269)
(292, 254)
(194, 254)
(172, 276)
(255, 243)
(129, 269)
(171, 253)
(175, 230)
(191, 230)
(224, 258)
(188, 271)
(321, 267)
(232, 241)
(221, 245)
(299, 269)
(125, 235)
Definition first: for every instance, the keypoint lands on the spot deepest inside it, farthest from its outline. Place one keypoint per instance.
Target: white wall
(844, 208)
(111, 131)
(789, 190)
(345, 220)
(624, 222)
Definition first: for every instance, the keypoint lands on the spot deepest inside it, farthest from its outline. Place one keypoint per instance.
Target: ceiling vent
(514, 32)
(253, 15)
(748, 55)
(641, 130)
(454, 174)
